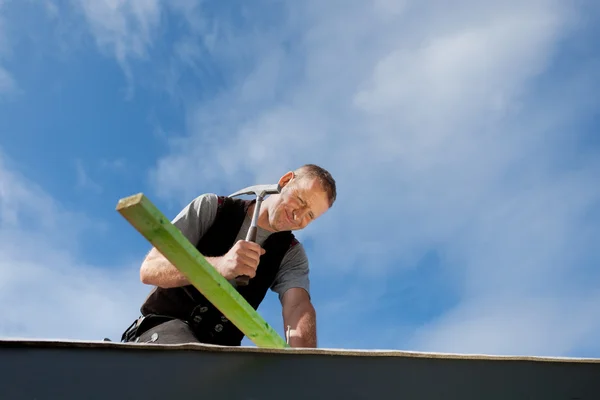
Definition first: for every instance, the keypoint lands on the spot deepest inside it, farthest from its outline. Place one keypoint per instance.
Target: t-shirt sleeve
(197, 217)
(293, 273)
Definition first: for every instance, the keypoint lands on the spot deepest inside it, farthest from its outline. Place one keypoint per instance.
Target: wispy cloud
(553, 323)
(118, 165)
(7, 82)
(136, 31)
(47, 287)
(84, 181)
(439, 126)
(8, 85)
(123, 29)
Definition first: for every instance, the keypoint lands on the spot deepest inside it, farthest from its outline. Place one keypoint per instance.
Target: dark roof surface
(105, 370)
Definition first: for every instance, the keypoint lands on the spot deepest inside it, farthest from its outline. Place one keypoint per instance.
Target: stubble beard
(280, 221)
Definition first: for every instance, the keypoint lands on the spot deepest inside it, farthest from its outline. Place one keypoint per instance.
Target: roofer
(176, 312)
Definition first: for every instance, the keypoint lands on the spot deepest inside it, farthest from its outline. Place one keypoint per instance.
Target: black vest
(188, 304)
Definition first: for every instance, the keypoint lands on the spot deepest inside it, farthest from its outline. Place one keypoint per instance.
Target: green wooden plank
(169, 240)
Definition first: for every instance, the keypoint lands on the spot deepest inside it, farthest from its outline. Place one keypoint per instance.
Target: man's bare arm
(156, 270)
(299, 314)
(241, 259)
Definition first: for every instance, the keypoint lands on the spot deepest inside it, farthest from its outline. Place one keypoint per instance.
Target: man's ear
(285, 179)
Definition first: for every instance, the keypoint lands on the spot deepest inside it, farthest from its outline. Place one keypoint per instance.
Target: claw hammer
(260, 191)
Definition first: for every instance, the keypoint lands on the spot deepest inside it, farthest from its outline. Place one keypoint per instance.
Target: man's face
(300, 202)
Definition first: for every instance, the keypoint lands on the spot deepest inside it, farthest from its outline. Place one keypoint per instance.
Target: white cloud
(84, 181)
(133, 30)
(422, 107)
(3, 38)
(7, 82)
(122, 28)
(46, 288)
(552, 324)
(8, 85)
(431, 118)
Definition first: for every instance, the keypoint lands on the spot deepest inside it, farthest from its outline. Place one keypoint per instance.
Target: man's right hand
(242, 259)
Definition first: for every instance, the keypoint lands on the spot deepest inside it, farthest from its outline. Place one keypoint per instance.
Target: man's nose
(301, 214)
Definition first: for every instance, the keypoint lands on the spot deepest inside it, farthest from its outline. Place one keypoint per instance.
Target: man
(176, 312)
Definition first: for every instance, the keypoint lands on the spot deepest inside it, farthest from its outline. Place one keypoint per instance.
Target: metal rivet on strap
(218, 327)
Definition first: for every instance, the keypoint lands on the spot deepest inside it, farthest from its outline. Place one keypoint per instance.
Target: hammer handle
(251, 235)
(243, 280)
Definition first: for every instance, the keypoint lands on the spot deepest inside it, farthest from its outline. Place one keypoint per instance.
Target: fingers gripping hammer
(260, 191)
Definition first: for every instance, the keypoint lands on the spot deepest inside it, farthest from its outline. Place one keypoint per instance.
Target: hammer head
(258, 190)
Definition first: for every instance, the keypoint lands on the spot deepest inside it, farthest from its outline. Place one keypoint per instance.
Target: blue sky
(464, 140)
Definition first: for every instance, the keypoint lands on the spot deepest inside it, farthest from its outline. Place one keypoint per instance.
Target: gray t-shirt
(197, 217)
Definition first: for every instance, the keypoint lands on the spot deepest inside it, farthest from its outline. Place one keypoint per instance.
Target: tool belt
(143, 324)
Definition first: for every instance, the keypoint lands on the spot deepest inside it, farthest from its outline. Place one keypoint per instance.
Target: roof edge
(92, 344)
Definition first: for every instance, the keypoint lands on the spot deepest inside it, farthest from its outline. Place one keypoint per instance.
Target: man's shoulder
(222, 200)
(205, 205)
(295, 242)
(296, 250)
(203, 200)
(294, 270)
(212, 201)
(197, 216)
(207, 197)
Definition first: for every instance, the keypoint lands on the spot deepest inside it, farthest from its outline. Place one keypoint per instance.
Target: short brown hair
(322, 175)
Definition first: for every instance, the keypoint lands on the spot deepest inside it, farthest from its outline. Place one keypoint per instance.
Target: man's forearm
(158, 271)
(303, 326)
